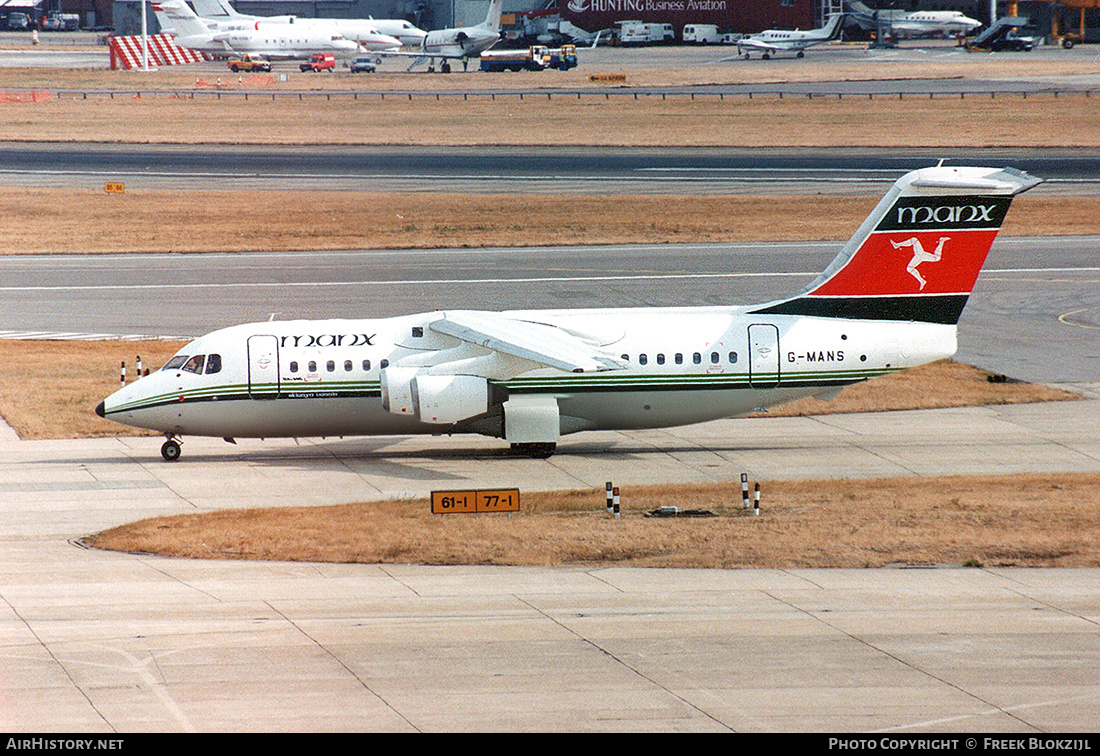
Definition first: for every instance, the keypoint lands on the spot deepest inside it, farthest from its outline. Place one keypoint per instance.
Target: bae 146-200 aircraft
(890, 300)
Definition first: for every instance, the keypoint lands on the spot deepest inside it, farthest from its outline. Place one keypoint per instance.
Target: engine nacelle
(436, 399)
(446, 399)
(397, 390)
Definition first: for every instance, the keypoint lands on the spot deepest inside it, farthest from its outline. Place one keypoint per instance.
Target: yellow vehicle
(249, 63)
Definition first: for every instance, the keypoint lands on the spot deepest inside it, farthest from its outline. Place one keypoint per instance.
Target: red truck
(320, 62)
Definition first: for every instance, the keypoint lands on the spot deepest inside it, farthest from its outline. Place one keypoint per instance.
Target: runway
(558, 170)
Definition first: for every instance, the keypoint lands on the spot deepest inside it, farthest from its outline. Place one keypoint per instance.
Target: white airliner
(777, 40)
(221, 12)
(286, 41)
(890, 300)
(456, 43)
(917, 22)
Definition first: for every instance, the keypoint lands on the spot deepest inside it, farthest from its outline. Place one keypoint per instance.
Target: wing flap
(537, 342)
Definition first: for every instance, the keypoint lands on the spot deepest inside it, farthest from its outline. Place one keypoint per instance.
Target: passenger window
(384, 364)
(347, 366)
(330, 366)
(733, 357)
(194, 365)
(312, 366)
(175, 362)
(714, 358)
(366, 365)
(697, 358)
(294, 366)
(679, 359)
(213, 364)
(660, 359)
(642, 359)
(626, 357)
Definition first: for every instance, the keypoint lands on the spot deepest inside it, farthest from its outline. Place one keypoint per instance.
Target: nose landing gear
(171, 450)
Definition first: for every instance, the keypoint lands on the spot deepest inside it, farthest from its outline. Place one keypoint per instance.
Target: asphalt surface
(555, 170)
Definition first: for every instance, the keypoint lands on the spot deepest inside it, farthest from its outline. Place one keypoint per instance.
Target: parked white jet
(777, 40)
(358, 29)
(269, 40)
(917, 22)
(890, 300)
(457, 42)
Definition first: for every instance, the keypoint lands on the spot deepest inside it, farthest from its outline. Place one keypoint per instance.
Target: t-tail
(918, 254)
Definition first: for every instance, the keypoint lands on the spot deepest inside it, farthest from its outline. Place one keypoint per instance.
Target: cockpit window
(213, 364)
(194, 365)
(175, 362)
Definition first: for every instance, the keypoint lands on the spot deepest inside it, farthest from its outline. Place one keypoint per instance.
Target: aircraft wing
(537, 342)
(756, 44)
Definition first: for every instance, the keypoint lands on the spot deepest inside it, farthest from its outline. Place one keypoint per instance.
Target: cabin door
(263, 367)
(763, 355)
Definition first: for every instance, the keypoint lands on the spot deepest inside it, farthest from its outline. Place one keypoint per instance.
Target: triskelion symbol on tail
(920, 256)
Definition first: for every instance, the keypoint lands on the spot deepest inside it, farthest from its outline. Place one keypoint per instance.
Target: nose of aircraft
(99, 410)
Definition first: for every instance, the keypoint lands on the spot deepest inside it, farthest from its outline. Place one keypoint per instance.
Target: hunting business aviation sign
(741, 16)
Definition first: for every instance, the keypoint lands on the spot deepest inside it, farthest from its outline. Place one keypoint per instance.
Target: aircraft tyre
(171, 450)
(535, 451)
(801, 54)
(444, 67)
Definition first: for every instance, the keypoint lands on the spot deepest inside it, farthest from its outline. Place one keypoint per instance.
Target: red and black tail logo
(920, 262)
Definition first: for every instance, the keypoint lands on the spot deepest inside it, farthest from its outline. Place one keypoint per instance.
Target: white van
(700, 34)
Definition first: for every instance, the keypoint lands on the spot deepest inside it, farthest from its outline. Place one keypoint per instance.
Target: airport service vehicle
(534, 58)
(890, 300)
(249, 63)
(640, 33)
(362, 64)
(700, 34)
(777, 40)
(319, 62)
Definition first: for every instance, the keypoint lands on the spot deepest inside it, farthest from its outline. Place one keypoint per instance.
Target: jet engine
(436, 399)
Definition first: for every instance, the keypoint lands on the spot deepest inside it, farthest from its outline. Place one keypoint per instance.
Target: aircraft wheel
(171, 450)
(445, 68)
(801, 54)
(765, 56)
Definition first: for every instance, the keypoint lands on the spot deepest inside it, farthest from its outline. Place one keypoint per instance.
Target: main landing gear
(171, 449)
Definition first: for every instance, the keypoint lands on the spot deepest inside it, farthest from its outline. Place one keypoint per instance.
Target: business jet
(890, 300)
(455, 43)
(221, 12)
(777, 40)
(915, 23)
(275, 41)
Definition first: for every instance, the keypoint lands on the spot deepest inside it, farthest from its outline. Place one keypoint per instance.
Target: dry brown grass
(591, 120)
(69, 378)
(1030, 520)
(87, 221)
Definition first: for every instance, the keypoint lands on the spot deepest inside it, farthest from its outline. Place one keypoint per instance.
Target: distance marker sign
(465, 502)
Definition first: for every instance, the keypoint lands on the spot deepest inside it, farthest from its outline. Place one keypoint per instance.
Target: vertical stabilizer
(917, 255)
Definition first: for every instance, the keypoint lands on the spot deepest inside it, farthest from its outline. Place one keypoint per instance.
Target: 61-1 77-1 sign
(463, 502)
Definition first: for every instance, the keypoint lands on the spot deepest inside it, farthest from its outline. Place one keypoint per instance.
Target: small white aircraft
(777, 40)
(221, 12)
(890, 300)
(917, 22)
(276, 41)
(456, 43)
